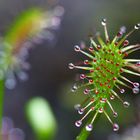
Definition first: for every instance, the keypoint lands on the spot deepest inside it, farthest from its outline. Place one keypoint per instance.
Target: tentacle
(108, 117)
(117, 95)
(105, 29)
(136, 27)
(132, 60)
(120, 82)
(131, 72)
(93, 42)
(78, 49)
(133, 50)
(130, 47)
(134, 67)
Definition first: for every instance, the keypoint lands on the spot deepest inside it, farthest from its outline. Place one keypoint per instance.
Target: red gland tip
(92, 108)
(115, 127)
(77, 48)
(119, 34)
(78, 123)
(116, 43)
(90, 81)
(91, 49)
(125, 54)
(92, 100)
(100, 110)
(82, 76)
(138, 64)
(112, 97)
(114, 78)
(121, 70)
(86, 91)
(86, 62)
(98, 46)
(96, 91)
(125, 43)
(103, 100)
(91, 71)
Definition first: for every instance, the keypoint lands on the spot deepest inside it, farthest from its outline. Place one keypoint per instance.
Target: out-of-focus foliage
(41, 118)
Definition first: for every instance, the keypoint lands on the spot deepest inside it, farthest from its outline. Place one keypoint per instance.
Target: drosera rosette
(30, 28)
(106, 63)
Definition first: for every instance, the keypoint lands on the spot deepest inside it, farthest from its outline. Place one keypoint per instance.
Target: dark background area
(49, 76)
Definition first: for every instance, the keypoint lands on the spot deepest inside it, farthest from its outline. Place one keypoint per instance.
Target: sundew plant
(30, 28)
(106, 63)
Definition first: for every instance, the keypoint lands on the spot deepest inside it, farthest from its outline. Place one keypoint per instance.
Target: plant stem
(1, 101)
(83, 135)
